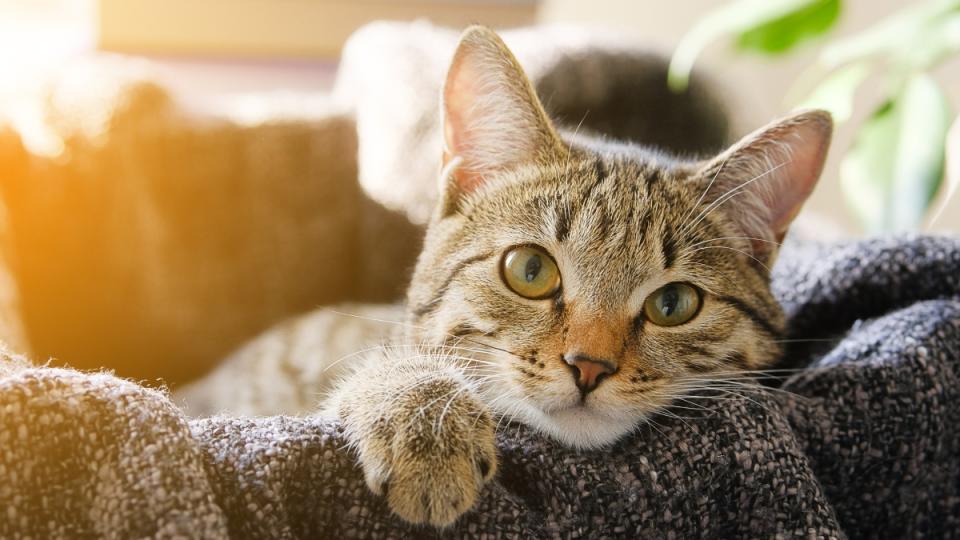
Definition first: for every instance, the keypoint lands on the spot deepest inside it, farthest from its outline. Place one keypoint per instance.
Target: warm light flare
(37, 38)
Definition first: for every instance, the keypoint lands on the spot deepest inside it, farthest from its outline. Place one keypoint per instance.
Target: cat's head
(594, 282)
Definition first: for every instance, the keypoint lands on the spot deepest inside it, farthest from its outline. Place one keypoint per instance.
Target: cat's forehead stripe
(669, 249)
(427, 307)
(562, 213)
(600, 169)
(569, 202)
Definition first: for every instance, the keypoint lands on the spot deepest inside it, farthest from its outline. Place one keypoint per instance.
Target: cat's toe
(432, 455)
(436, 480)
(438, 493)
(483, 465)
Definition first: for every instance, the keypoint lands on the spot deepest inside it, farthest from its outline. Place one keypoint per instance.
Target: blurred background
(209, 49)
(105, 268)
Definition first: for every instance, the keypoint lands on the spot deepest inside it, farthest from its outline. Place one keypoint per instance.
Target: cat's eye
(674, 303)
(530, 272)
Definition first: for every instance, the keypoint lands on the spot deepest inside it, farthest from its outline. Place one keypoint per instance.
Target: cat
(572, 284)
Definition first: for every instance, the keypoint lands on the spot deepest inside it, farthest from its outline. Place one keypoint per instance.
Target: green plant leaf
(925, 119)
(937, 41)
(896, 33)
(782, 34)
(892, 171)
(836, 92)
(865, 172)
(730, 19)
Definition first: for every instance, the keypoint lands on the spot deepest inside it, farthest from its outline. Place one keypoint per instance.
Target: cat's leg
(423, 436)
(287, 368)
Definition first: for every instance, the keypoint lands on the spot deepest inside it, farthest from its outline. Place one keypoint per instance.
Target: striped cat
(572, 284)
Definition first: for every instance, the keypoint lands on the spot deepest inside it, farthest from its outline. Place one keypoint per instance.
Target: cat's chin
(569, 421)
(583, 427)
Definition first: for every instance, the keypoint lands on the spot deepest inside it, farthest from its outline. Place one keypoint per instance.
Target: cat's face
(592, 284)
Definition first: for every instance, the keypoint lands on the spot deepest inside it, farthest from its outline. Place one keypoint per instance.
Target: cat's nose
(588, 371)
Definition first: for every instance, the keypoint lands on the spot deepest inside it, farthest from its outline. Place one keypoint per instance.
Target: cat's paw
(431, 455)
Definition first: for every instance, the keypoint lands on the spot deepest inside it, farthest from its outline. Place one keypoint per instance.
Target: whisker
(754, 387)
(569, 158)
(761, 263)
(369, 318)
(438, 427)
(352, 355)
(418, 327)
(805, 340)
(696, 244)
(743, 396)
(729, 195)
(651, 421)
(665, 411)
(706, 190)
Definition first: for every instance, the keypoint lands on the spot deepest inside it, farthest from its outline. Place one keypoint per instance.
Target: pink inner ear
(771, 173)
(492, 119)
(797, 179)
(459, 97)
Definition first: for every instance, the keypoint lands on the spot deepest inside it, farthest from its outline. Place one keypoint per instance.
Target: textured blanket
(862, 441)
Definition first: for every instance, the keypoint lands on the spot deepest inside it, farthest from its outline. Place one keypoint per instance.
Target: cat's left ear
(492, 118)
(763, 180)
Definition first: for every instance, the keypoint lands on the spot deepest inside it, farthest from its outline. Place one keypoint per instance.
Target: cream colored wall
(757, 85)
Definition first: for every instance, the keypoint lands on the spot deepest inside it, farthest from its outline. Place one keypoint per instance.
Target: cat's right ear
(492, 118)
(770, 172)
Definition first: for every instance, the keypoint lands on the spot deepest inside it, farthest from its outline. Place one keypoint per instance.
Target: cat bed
(861, 441)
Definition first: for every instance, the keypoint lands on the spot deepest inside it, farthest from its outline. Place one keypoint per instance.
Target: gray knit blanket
(863, 440)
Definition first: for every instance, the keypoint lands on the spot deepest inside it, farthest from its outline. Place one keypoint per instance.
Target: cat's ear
(763, 180)
(492, 118)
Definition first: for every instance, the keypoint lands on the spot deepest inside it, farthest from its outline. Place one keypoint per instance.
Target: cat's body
(575, 285)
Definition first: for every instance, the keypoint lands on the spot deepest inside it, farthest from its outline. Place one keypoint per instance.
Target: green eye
(530, 272)
(674, 303)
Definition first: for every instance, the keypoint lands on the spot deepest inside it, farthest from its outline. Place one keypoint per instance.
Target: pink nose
(587, 371)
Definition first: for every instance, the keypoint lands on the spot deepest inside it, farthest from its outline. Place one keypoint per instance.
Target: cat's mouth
(583, 425)
(580, 404)
(579, 423)
(580, 407)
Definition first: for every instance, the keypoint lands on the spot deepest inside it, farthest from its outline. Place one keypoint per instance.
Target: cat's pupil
(669, 301)
(532, 268)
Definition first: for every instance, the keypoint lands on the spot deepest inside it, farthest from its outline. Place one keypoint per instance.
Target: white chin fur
(577, 427)
(581, 427)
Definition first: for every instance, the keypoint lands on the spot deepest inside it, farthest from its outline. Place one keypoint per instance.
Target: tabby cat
(572, 284)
